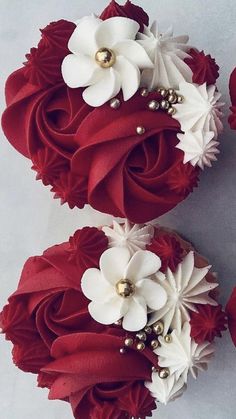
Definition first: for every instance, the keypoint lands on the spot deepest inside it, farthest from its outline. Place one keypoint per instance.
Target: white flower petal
(129, 76)
(142, 264)
(83, 38)
(136, 317)
(108, 312)
(94, 286)
(113, 264)
(134, 52)
(114, 30)
(79, 70)
(105, 89)
(153, 293)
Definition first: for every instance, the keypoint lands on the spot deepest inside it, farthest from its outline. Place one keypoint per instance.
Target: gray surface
(31, 221)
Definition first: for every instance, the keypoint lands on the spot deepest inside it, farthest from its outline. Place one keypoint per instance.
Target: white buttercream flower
(200, 110)
(166, 390)
(183, 354)
(185, 288)
(133, 236)
(105, 57)
(168, 54)
(199, 148)
(123, 288)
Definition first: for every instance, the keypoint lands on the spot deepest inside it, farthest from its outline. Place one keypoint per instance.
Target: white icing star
(183, 355)
(132, 236)
(168, 54)
(165, 390)
(108, 71)
(199, 148)
(200, 110)
(119, 273)
(185, 288)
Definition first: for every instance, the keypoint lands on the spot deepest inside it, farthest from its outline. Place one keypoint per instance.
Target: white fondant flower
(201, 109)
(105, 57)
(166, 390)
(132, 236)
(123, 288)
(199, 148)
(168, 54)
(183, 354)
(185, 288)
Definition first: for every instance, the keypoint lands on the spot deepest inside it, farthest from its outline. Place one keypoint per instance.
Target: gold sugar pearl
(153, 105)
(115, 103)
(140, 346)
(125, 288)
(129, 342)
(154, 369)
(171, 111)
(163, 92)
(180, 99)
(141, 336)
(148, 330)
(144, 92)
(122, 351)
(165, 105)
(140, 130)
(164, 373)
(158, 328)
(154, 344)
(105, 57)
(118, 323)
(168, 338)
(172, 98)
(171, 91)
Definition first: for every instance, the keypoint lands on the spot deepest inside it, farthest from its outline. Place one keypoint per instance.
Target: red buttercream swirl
(204, 67)
(207, 323)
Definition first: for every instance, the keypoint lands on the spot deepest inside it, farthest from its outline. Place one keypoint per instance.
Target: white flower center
(125, 288)
(105, 57)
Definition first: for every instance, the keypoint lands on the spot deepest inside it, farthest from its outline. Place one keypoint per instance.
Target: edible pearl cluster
(169, 97)
(148, 337)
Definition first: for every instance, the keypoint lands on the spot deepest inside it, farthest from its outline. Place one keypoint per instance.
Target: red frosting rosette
(101, 368)
(232, 91)
(122, 157)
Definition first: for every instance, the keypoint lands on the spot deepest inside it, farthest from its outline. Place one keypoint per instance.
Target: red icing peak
(208, 323)
(87, 246)
(184, 179)
(43, 67)
(168, 249)
(203, 66)
(137, 401)
(129, 10)
(70, 189)
(48, 165)
(57, 35)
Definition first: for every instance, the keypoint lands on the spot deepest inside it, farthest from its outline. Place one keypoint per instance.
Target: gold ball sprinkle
(154, 344)
(171, 111)
(118, 323)
(141, 336)
(148, 330)
(105, 57)
(144, 92)
(125, 288)
(165, 105)
(168, 339)
(172, 98)
(164, 373)
(129, 342)
(153, 105)
(114, 103)
(180, 99)
(171, 91)
(140, 346)
(163, 92)
(140, 130)
(158, 328)
(122, 351)
(154, 369)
